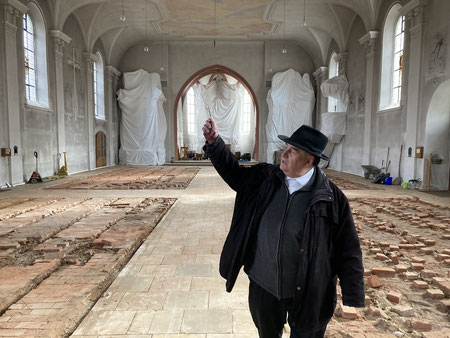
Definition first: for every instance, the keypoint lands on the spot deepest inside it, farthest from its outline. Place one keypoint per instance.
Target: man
(293, 231)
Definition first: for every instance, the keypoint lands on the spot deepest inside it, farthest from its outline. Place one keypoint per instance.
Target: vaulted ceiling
(326, 20)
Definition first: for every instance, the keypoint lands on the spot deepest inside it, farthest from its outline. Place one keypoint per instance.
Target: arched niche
(212, 70)
(437, 137)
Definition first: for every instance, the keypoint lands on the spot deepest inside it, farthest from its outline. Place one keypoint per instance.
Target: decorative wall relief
(361, 103)
(351, 102)
(438, 55)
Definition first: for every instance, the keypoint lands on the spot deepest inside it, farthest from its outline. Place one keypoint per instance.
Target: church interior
(112, 218)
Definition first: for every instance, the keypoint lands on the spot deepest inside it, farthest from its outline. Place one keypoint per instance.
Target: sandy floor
(170, 286)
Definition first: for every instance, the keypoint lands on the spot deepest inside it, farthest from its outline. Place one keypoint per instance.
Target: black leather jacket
(330, 244)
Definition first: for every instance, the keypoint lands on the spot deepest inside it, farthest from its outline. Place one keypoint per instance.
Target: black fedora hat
(309, 139)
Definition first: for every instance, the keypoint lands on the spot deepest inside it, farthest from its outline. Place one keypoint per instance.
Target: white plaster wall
(4, 174)
(434, 125)
(76, 125)
(352, 142)
(184, 58)
(39, 125)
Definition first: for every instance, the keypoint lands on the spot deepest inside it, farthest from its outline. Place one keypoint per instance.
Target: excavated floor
(99, 259)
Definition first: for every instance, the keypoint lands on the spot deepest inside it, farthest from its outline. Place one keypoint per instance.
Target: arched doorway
(100, 149)
(212, 71)
(437, 137)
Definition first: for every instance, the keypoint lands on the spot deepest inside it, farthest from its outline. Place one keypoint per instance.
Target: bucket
(405, 185)
(388, 181)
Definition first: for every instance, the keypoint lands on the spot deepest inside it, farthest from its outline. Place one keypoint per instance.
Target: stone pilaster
(369, 41)
(112, 75)
(60, 40)
(414, 15)
(341, 59)
(13, 11)
(90, 59)
(320, 75)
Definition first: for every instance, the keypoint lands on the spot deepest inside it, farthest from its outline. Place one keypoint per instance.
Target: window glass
(30, 56)
(398, 60)
(95, 90)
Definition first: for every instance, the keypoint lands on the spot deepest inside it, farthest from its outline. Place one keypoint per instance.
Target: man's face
(296, 162)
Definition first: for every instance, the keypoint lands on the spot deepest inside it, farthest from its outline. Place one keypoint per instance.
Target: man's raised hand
(210, 130)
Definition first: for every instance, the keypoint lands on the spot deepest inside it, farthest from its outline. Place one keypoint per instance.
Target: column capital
(90, 59)
(369, 40)
(13, 9)
(112, 71)
(61, 40)
(320, 73)
(413, 11)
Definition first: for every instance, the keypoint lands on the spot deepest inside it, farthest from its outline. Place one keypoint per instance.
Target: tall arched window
(333, 70)
(99, 87)
(398, 60)
(30, 55)
(35, 57)
(392, 59)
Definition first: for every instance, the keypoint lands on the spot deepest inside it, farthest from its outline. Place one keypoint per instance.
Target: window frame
(190, 111)
(333, 70)
(29, 34)
(391, 78)
(41, 89)
(98, 87)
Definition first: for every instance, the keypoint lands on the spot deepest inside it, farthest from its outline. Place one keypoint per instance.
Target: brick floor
(171, 287)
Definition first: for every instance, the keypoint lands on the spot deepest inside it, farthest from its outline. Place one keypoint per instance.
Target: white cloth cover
(143, 126)
(334, 125)
(291, 102)
(337, 88)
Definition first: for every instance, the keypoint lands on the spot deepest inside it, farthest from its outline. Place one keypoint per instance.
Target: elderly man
(293, 231)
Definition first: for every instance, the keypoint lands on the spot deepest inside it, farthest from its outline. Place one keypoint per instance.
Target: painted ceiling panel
(233, 17)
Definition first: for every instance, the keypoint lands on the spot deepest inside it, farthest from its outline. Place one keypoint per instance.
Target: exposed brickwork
(135, 178)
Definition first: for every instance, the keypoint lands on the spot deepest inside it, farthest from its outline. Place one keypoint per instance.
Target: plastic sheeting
(291, 102)
(334, 125)
(337, 88)
(143, 126)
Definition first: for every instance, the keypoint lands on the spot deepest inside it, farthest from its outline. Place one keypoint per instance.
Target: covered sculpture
(143, 125)
(291, 102)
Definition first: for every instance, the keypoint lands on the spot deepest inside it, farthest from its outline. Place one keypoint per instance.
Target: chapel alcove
(226, 95)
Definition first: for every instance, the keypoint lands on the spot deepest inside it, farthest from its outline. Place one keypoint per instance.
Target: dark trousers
(269, 314)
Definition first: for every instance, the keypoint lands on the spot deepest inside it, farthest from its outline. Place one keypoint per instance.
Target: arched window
(392, 59)
(333, 70)
(30, 55)
(190, 105)
(99, 88)
(35, 57)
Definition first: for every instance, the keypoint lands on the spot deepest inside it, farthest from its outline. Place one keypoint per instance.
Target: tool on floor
(398, 180)
(63, 170)
(35, 176)
(387, 163)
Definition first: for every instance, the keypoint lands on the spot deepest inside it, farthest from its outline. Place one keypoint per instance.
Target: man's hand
(210, 130)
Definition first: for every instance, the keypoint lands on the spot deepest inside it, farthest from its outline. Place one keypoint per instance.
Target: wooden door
(100, 149)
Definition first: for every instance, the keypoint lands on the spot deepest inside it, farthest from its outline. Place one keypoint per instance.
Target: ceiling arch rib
(64, 8)
(89, 40)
